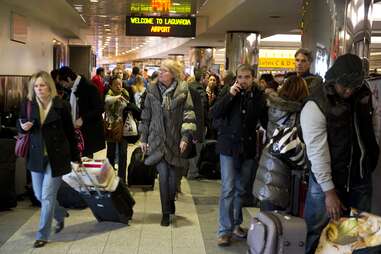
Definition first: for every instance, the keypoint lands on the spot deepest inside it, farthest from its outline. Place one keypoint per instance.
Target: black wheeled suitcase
(8, 197)
(298, 193)
(111, 206)
(140, 174)
(209, 162)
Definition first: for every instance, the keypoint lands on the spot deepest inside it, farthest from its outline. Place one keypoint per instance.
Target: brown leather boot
(224, 240)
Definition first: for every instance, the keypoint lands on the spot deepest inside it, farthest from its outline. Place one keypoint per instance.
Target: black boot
(165, 220)
(39, 243)
(60, 225)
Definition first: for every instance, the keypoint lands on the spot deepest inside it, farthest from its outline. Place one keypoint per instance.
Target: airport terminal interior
(215, 36)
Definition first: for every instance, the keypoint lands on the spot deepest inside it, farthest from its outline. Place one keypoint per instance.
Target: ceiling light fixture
(375, 39)
(376, 13)
(94, 1)
(283, 38)
(84, 20)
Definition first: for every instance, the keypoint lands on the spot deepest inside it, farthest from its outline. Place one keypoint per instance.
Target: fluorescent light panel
(376, 14)
(283, 38)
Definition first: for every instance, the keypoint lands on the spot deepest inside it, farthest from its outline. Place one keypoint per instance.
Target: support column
(331, 28)
(241, 48)
(202, 57)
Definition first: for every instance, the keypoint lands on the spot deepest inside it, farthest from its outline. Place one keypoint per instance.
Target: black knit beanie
(347, 70)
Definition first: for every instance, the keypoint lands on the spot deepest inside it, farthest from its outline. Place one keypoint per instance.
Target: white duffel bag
(92, 173)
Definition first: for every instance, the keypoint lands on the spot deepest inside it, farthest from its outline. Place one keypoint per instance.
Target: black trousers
(122, 157)
(167, 183)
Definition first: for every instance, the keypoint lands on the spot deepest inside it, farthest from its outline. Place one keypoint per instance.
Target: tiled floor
(193, 229)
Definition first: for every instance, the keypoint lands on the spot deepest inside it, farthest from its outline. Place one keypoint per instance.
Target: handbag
(286, 145)
(114, 130)
(130, 128)
(23, 139)
(359, 233)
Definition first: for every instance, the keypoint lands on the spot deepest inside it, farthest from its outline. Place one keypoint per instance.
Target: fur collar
(274, 101)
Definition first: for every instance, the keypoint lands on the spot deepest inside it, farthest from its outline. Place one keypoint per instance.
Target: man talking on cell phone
(238, 111)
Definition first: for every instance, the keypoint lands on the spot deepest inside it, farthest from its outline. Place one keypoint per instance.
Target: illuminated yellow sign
(285, 63)
(161, 21)
(161, 26)
(161, 5)
(179, 8)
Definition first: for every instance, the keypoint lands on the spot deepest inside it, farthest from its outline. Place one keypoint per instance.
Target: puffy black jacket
(272, 182)
(352, 143)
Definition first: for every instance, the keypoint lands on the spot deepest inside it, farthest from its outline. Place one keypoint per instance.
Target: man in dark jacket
(200, 102)
(238, 112)
(303, 61)
(87, 108)
(338, 132)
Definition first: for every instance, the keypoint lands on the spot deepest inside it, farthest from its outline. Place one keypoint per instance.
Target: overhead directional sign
(160, 26)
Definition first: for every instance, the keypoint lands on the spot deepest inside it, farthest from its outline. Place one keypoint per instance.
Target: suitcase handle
(91, 180)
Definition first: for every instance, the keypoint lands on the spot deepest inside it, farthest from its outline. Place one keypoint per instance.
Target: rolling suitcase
(111, 206)
(140, 174)
(209, 162)
(276, 233)
(298, 193)
(7, 174)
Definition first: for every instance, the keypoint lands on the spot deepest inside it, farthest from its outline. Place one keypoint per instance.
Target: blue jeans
(233, 182)
(45, 188)
(167, 184)
(315, 212)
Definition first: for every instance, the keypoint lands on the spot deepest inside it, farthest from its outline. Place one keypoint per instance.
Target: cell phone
(24, 120)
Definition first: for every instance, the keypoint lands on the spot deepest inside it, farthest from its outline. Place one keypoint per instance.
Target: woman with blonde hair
(167, 127)
(52, 147)
(138, 90)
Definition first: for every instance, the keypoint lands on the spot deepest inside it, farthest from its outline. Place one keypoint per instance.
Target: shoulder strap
(285, 117)
(28, 109)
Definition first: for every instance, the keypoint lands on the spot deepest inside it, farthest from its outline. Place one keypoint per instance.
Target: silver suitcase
(276, 233)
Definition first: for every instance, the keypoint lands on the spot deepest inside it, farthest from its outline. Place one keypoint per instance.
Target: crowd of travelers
(173, 112)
